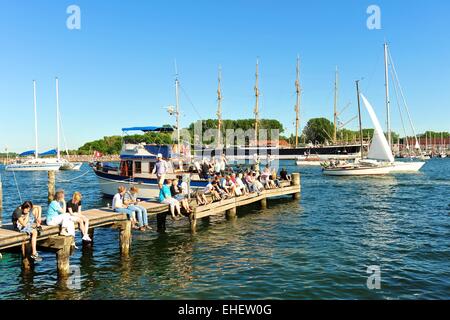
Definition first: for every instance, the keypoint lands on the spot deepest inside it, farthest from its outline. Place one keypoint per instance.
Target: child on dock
(119, 207)
(74, 209)
(178, 195)
(57, 215)
(23, 219)
(165, 197)
(130, 199)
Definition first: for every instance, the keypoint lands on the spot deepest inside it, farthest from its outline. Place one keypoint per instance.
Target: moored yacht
(136, 166)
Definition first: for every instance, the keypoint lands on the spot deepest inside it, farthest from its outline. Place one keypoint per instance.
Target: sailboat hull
(412, 166)
(34, 166)
(357, 171)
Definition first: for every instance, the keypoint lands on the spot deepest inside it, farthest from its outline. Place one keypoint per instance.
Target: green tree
(318, 130)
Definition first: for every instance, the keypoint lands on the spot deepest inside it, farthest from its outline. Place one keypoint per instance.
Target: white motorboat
(74, 166)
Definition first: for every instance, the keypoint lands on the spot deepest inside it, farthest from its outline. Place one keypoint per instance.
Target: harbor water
(319, 247)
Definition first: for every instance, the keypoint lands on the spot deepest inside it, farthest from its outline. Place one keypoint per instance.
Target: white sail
(379, 148)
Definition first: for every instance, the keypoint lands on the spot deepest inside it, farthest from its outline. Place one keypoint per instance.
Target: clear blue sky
(118, 70)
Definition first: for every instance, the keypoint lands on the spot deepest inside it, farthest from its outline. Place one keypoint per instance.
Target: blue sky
(118, 70)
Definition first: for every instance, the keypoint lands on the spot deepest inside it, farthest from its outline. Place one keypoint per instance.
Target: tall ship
(272, 150)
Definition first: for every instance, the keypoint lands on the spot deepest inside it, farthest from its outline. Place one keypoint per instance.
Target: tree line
(317, 130)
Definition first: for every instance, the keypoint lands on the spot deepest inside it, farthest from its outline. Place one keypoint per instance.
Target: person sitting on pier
(119, 207)
(234, 191)
(284, 175)
(23, 219)
(240, 184)
(204, 173)
(265, 178)
(132, 202)
(221, 192)
(166, 197)
(178, 195)
(57, 215)
(74, 209)
(210, 189)
(257, 185)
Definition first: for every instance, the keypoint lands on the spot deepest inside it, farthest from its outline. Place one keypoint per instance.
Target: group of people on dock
(27, 218)
(222, 183)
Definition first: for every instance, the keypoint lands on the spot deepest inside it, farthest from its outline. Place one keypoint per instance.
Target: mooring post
(231, 213)
(125, 237)
(51, 185)
(161, 222)
(263, 203)
(63, 256)
(27, 263)
(296, 182)
(193, 222)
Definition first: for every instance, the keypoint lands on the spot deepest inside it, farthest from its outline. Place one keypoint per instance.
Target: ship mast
(36, 152)
(359, 116)
(297, 105)
(256, 110)
(219, 108)
(57, 119)
(335, 105)
(388, 101)
(177, 111)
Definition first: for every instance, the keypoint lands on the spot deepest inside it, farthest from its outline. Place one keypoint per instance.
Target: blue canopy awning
(27, 153)
(148, 129)
(52, 152)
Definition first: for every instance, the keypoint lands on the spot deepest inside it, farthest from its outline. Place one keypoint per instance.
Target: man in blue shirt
(166, 197)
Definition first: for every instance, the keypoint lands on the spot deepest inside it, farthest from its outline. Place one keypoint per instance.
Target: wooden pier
(50, 240)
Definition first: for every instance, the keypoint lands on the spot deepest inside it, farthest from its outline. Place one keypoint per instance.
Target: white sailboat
(379, 159)
(398, 166)
(36, 163)
(66, 164)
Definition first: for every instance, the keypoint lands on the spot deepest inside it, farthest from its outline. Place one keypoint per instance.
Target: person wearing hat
(160, 169)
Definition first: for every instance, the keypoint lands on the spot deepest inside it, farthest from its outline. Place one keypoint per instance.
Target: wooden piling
(161, 221)
(27, 263)
(263, 203)
(296, 182)
(231, 213)
(193, 222)
(124, 236)
(62, 245)
(51, 185)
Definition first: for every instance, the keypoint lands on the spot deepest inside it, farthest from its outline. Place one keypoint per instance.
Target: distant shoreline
(77, 158)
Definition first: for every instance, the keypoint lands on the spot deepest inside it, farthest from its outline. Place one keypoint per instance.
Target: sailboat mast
(256, 110)
(57, 119)
(177, 111)
(297, 105)
(388, 102)
(359, 116)
(219, 108)
(335, 105)
(36, 152)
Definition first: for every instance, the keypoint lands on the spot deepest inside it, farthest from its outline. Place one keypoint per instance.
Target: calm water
(317, 248)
